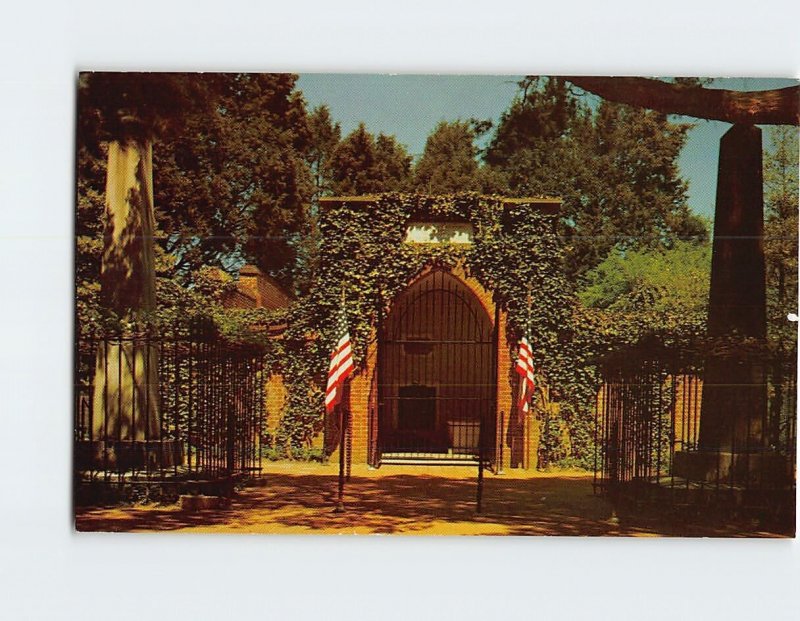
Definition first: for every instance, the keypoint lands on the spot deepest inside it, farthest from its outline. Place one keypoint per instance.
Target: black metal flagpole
(342, 433)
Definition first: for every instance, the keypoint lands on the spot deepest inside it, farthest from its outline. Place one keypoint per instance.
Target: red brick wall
(239, 299)
(517, 440)
(363, 386)
(266, 293)
(363, 398)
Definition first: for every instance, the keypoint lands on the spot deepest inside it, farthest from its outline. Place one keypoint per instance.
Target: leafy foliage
(140, 106)
(324, 137)
(666, 288)
(231, 179)
(231, 182)
(614, 166)
(234, 186)
(780, 237)
(365, 259)
(361, 164)
(449, 162)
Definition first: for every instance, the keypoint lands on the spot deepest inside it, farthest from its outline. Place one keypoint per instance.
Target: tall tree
(780, 253)
(780, 234)
(91, 160)
(362, 165)
(392, 163)
(324, 136)
(121, 115)
(615, 168)
(231, 186)
(234, 186)
(128, 112)
(448, 163)
(545, 111)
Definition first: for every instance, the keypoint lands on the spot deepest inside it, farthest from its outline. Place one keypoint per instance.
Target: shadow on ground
(409, 504)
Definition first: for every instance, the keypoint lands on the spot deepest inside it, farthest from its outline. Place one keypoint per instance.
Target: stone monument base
(122, 455)
(752, 468)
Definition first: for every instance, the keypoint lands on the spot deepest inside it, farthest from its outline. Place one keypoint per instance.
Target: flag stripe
(524, 367)
(341, 366)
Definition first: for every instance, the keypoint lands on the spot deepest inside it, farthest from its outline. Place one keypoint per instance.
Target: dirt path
(299, 498)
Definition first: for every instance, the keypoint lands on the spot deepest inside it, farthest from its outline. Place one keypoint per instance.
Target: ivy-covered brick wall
(515, 259)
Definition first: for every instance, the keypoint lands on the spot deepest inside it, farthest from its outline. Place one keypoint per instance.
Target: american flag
(341, 365)
(524, 367)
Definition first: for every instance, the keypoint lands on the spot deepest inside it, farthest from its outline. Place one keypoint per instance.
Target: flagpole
(342, 441)
(527, 417)
(340, 500)
(528, 318)
(526, 459)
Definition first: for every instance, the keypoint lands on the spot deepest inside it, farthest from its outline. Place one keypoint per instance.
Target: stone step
(400, 459)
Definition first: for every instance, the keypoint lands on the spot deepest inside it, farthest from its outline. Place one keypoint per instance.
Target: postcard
(436, 305)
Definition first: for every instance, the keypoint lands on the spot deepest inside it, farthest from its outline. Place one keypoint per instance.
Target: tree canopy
(780, 234)
(670, 285)
(324, 137)
(231, 184)
(614, 166)
(448, 163)
(362, 164)
(240, 163)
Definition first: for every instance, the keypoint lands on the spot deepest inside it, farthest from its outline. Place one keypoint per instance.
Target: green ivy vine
(515, 254)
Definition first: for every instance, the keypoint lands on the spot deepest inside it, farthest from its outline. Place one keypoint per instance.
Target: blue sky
(409, 106)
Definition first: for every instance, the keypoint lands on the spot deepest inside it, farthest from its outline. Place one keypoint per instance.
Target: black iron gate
(647, 439)
(437, 375)
(179, 408)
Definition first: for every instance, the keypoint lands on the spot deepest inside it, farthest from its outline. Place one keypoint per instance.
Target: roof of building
(255, 289)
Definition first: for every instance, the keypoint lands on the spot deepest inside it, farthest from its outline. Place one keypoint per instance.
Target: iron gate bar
(209, 401)
(648, 412)
(457, 365)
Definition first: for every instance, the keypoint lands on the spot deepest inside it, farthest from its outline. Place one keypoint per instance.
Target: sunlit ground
(411, 500)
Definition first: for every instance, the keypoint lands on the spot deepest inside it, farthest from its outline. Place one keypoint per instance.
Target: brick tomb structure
(438, 372)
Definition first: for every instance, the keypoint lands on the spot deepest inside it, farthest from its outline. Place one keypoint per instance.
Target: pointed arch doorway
(437, 375)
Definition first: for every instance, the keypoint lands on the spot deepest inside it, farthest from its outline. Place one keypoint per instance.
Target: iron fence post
(481, 439)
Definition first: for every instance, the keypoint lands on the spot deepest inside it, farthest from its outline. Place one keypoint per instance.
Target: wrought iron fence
(436, 380)
(648, 445)
(181, 409)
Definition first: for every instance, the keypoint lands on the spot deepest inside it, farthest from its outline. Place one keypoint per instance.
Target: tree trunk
(127, 275)
(775, 107)
(126, 393)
